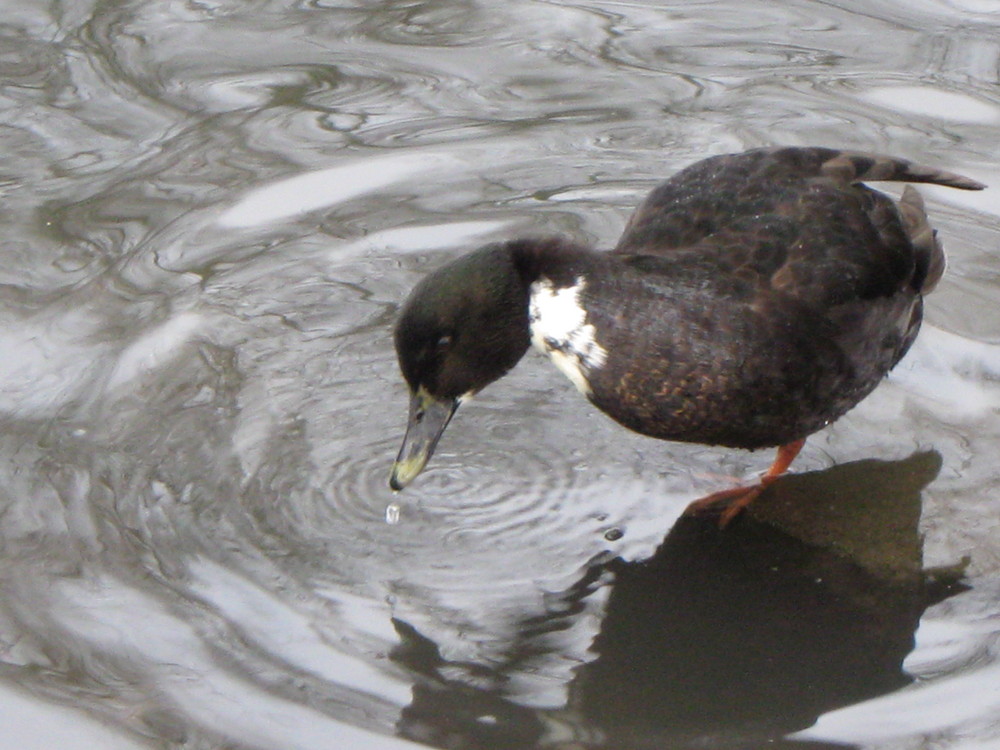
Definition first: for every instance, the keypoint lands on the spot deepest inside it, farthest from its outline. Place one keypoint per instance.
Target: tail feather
(927, 248)
(856, 166)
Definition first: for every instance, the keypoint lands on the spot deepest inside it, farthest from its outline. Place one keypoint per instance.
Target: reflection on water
(722, 639)
(211, 211)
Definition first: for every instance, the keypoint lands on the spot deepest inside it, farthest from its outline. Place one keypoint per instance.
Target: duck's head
(463, 326)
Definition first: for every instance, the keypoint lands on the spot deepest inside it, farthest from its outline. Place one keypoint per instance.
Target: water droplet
(392, 512)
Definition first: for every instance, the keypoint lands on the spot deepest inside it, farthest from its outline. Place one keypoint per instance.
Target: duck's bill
(428, 418)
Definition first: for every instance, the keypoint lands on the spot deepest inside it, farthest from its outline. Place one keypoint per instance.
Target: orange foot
(734, 500)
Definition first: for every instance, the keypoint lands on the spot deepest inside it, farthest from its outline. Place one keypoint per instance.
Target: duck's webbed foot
(735, 499)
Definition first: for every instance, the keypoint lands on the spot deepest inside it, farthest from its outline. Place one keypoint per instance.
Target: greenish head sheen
(465, 325)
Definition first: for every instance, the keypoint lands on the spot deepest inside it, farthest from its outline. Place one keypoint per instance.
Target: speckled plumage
(752, 299)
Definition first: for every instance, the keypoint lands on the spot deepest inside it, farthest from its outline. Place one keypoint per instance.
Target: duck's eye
(445, 341)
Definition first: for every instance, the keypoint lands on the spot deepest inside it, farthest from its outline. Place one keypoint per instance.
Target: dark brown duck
(753, 299)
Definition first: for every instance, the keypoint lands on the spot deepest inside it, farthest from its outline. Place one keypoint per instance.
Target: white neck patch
(559, 328)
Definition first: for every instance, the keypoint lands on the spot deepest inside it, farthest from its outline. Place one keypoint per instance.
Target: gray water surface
(211, 210)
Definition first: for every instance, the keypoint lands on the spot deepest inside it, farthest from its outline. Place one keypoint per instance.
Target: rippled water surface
(211, 211)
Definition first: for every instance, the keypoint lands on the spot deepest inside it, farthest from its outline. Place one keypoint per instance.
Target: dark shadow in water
(723, 639)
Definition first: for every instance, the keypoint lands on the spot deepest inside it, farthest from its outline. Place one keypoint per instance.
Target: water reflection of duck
(753, 299)
(723, 640)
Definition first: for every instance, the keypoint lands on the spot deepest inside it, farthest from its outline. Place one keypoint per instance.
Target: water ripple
(212, 210)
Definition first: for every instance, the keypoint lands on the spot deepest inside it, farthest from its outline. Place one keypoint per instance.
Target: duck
(753, 299)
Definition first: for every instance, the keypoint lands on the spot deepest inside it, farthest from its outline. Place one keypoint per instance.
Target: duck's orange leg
(738, 498)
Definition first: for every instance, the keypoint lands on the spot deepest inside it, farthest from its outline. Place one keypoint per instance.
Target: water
(211, 211)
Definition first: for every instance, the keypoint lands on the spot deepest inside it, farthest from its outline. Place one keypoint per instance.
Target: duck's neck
(553, 258)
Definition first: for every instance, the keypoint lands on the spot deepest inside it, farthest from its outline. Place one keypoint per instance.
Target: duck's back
(794, 216)
(762, 295)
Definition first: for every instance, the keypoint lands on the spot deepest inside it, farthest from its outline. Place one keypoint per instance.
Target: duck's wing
(710, 194)
(794, 219)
